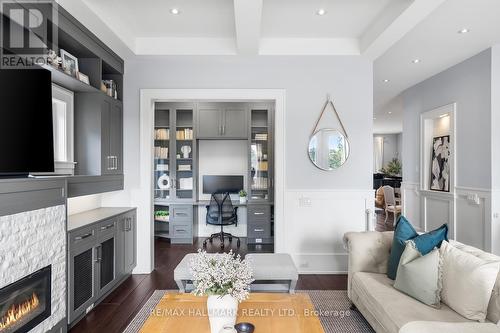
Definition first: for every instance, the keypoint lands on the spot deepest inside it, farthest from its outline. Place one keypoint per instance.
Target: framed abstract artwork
(440, 164)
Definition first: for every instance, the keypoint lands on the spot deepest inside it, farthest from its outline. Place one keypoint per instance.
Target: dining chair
(392, 205)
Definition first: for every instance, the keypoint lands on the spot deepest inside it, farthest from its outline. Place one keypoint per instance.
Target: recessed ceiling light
(175, 11)
(386, 80)
(443, 115)
(390, 112)
(374, 118)
(415, 61)
(321, 12)
(463, 31)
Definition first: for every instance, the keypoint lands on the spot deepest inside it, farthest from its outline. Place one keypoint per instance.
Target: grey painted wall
(495, 117)
(469, 85)
(392, 146)
(307, 81)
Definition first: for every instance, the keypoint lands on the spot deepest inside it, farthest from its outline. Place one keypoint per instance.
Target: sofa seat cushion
(392, 308)
(442, 327)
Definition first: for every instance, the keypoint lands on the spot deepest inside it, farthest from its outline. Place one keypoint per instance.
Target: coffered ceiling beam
(399, 18)
(248, 17)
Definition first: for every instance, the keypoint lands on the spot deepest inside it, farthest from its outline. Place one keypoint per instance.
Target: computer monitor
(214, 184)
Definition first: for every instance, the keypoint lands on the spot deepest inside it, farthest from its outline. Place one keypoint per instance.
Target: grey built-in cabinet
(98, 134)
(222, 121)
(100, 256)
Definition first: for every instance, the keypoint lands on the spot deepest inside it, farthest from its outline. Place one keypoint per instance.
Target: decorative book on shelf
(162, 134)
(184, 134)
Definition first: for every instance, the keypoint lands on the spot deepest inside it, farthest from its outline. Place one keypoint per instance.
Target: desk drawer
(182, 231)
(259, 213)
(259, 230)
(181, 213)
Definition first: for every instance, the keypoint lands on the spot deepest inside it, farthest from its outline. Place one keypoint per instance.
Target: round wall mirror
(328, 149)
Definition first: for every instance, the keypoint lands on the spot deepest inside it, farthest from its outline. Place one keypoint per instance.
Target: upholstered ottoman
(271, 271)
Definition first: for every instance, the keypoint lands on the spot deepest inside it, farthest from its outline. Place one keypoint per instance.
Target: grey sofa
(390, 311)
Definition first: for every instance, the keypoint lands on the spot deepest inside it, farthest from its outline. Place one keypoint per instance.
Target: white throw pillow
(418, 276)
(467, 282)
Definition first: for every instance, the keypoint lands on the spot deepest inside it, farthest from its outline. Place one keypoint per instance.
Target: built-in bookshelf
(260, 155)
(174, 163)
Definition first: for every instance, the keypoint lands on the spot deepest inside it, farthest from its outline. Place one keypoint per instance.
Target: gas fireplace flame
(16, 312)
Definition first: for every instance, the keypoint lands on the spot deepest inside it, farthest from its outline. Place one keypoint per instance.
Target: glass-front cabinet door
(161, 165)
(184, 153)
(174, 152)
(260, 154)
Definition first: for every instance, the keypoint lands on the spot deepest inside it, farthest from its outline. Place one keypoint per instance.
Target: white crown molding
(184, 46)
(309, 46)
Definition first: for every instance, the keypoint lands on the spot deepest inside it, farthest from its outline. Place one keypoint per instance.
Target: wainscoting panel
(494, 236)
(315, 222)
(469, 213)
(438, 208)
(410, 195)
(473, 220)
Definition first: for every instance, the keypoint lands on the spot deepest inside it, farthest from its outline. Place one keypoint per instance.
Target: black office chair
(221, 212)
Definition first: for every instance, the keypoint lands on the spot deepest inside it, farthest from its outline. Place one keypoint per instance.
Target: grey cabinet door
(130, 242)
(105, 137)
(234, 125)
(209, 123)
(120, 247)
(81, 273)
(105, 257)
(116, 138)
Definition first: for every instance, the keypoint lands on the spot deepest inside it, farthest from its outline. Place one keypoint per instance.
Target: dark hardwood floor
(117, 310)
(381, 224)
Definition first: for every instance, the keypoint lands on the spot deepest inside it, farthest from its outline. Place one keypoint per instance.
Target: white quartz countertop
(79, 220)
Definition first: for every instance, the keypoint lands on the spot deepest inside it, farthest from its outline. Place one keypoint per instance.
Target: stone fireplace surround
(30, 241)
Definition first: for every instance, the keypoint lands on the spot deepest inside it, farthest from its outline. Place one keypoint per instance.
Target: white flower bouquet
(221, 274)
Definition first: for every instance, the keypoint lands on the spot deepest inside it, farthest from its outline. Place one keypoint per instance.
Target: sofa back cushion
(493, 314)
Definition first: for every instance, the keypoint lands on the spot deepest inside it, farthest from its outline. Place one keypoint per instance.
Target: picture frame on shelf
(69, 63)
(84, 78)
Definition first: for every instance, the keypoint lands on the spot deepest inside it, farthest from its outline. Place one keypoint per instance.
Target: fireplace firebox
(26, 302)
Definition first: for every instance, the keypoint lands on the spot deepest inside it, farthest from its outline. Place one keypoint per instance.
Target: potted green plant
(393, 168)
(162, 215)
(243, 196)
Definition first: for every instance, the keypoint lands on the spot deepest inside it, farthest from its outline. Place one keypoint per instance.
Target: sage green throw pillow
(419, 276)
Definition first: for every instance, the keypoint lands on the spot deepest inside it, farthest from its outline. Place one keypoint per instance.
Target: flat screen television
(26, 133)
(222, 184)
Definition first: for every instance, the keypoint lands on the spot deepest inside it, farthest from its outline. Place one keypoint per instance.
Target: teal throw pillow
(424, 243)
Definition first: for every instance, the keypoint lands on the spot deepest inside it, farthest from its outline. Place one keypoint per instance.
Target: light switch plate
(305, 202)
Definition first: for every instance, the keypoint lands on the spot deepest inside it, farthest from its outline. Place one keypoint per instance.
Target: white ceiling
(390, 32)
(297, 18)
(251, 26)
(438, 45)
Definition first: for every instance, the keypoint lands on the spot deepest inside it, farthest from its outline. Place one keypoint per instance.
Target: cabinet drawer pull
(258, 213)
(108, 226)
(84, 236)
(181, 214)
(180, 230)
(258, 230)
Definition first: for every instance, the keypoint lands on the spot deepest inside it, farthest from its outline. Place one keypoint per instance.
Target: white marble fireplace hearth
(30, 241)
